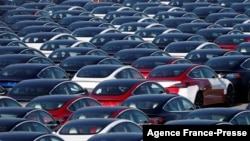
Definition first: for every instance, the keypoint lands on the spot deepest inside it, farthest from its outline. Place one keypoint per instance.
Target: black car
(10, 42)
(28, 89)
(35, 28)
(161, 107)
(210, 34)
(100, 39)
(20, 50)
(29, 136)
(243, 48)
(235, 116)
(72, 64)
(162, 40)
(80, 24)
(115, 136)
(8, 59)
(21, 124)
(14, 73)
(197, 122)
(60, 54)
(201, 56)
(112, 47)
(236, 69)
(128, 56)
(193, 27)
(29, 113)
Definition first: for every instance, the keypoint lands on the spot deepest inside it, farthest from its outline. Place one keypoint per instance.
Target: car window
(242, 119)
(149, 88)
(126, 127)
(32, 127)
(246, 64)
(178, 104)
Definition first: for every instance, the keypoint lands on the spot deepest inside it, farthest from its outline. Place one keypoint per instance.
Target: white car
(83, 129)
(91, 75)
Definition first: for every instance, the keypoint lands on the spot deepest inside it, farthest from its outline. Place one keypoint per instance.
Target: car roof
(62, 98)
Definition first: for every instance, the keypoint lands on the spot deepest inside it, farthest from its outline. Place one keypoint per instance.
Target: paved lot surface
(242, 105)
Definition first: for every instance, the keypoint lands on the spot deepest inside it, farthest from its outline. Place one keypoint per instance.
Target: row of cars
(93, 71)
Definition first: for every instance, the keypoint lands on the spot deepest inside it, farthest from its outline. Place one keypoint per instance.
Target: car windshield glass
(226, 64)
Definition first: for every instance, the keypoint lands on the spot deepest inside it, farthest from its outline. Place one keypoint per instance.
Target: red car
(199, 83)
(113, 92)
(146, 64)
(62, 106)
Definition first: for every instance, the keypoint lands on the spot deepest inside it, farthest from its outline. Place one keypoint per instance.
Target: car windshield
(148, 64)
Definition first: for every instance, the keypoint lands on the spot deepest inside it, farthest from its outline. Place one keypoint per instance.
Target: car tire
(230, 97)
(199, 101)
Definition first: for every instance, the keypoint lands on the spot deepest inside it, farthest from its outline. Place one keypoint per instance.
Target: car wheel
(199, 100)
(230, 99)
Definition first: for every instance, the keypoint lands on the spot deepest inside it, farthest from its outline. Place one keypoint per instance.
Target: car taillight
(157, 120)
(233, 75)
(175, 88)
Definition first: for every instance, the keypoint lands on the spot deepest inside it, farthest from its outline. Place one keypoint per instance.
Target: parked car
(198, 83)
(210, 34)
(36, 40)
(29, 136)
(61, 106)
(58, 55)
(235, 116)
(147, 63)
(148, 34)
(128, 56)
(120, 112)
(235, 69)
(115, 136)
(72, 64)
(162, 40)
(9, 59)
(243, 48)
(83, 129)
(29, 113)
(86, 33)
(10, 42)
(161, 107)
(91, 75)
(28, 89)
(21, 124)
(230, 41)
(197, 122)
(20, 50)
(6, 101)
(101, 39)
(49, 46)
(201, 56)
(114, 92)
(14, 73)
(112, 47)
(182, 48)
